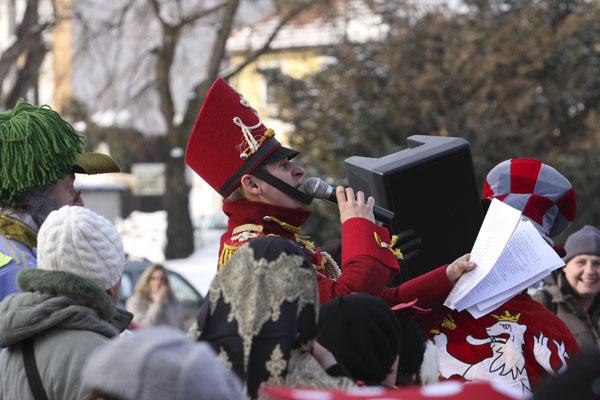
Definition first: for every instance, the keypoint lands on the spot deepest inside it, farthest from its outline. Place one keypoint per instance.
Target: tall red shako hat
(229, 140)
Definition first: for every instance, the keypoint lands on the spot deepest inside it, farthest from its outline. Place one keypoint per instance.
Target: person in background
(155, 364)
(573, 294)
(260, 317)
(66, 309)
(39, 156)
(153, 302)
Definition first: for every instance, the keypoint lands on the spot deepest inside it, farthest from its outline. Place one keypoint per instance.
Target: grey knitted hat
(159, 363)
(584, 241)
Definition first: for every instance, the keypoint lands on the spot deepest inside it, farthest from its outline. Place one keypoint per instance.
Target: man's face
(288, 172)
(583, 274)
(65, 194)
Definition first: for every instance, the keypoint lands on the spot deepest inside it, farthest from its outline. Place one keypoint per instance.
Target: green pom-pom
(37, 148)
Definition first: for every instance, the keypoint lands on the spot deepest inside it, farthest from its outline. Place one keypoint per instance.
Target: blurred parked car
(184, 292)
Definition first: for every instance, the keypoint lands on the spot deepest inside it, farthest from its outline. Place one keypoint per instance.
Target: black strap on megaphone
(261, 173)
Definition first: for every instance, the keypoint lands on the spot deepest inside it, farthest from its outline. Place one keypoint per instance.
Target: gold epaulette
(226, 254)
(240, 235)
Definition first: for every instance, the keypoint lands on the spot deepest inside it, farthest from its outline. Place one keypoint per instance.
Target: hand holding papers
(497, 228)
(510, 255)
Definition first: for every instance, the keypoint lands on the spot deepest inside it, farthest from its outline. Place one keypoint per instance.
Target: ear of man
(251, 185)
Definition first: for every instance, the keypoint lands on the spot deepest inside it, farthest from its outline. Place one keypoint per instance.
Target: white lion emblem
(507, 363)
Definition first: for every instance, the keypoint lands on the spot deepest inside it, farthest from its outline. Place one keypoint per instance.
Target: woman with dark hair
(261, 319)
(153, 302)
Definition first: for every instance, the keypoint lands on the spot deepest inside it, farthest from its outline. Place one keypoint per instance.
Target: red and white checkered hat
(542, 193)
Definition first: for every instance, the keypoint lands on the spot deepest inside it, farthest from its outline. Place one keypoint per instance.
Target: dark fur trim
(59, 283)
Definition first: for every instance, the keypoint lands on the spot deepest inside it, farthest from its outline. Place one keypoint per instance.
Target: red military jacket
(367, 259)
(520, 343)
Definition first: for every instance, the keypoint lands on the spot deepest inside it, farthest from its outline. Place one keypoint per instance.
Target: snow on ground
(199, 268)
(143, 236)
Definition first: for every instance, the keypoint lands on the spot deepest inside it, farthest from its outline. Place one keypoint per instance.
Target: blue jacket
(17, 251)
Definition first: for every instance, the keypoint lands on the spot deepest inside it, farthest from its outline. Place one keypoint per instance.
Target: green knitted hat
(37, 148)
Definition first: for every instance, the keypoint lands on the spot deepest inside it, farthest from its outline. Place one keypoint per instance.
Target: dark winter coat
(559, 298)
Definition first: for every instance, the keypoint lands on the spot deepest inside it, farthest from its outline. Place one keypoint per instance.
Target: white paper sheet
(526, 256)
(484, 308)
(510, 292)
(496, 230)
(476, 313)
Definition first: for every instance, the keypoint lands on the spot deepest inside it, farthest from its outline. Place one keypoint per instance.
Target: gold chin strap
(290, 228)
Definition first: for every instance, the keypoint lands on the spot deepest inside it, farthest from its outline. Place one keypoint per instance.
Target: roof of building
(353, 21)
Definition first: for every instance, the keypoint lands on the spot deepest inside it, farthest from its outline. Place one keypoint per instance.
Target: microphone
(319, 189)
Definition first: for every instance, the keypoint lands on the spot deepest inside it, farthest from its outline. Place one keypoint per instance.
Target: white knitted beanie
(77, 240)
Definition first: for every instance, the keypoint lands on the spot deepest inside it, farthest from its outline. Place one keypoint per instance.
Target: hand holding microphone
(351, 205)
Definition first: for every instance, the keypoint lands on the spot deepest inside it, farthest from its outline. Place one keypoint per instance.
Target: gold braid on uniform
(389, 246)
(327, 266)
(226, 254)
(288, 227)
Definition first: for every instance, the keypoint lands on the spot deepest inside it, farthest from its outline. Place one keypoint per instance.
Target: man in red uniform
(234, 152)
(520, 342)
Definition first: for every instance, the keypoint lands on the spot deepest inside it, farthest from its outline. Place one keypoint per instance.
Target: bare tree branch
(89, 35)
(27, 76)
(27, 35)
(156, 9)
(217, 55)
(10, 55)
(91, 48)
(267, 45)
(29, 44)
(145, 66)
(194, 17)
(179, 8)
(218, 50)
(164, 63)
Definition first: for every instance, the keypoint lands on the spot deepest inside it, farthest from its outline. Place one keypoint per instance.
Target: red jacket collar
(242, 212)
